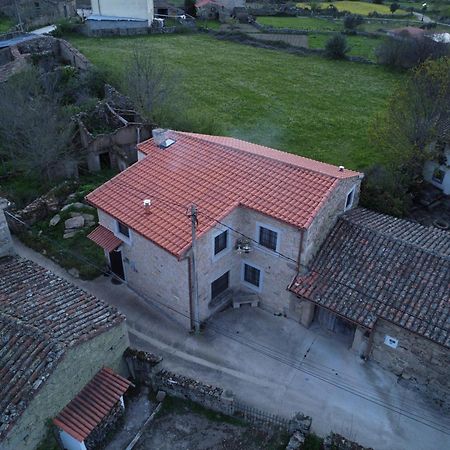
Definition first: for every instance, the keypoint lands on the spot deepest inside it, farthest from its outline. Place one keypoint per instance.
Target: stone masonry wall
(155, 273)
(73, 372)
(420, 363)
(6, 245)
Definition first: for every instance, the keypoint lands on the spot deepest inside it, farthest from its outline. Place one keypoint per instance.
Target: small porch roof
(105, 238)
(92, 404)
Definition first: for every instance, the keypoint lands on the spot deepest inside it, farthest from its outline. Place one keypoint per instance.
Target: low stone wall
(99, 434)
(141, 365)
(210, 397)
(71, 55)
(117, 31)
(335, 441)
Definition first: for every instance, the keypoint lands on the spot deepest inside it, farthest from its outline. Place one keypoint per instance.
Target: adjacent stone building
(386, 282)
(261, 213)
(55, 338)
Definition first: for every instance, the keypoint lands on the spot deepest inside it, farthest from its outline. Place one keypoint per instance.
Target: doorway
(115, 260)
(330, 321)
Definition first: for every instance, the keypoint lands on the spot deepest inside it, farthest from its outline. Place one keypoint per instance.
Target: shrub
(351, 21)
(337, 47)
(377, 2)
(394, 7)
(405, 53)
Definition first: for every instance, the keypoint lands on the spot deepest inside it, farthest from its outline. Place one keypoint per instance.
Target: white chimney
(147, 204)
(6, 244)
(161, 138)
(341, 168)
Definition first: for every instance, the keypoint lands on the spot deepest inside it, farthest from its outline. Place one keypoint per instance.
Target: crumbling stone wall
(418, 362)
(211, 397)
(99, 434)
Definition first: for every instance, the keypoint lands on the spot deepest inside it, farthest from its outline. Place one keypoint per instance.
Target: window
(221, 242)
(123, 229)
(349, 199)
(220, 285)
(252, 275)
(438, 176)
(268, 238)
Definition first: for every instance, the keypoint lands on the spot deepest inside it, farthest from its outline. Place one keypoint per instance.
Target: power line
(267, 351)
(286, 257)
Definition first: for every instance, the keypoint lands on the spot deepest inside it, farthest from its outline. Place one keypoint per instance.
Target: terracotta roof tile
(373, 265)
(92, 404)
(218, 174)
(104, 238)
(40, 315)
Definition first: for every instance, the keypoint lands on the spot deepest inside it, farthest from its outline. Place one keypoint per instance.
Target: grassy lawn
(359, 45)
(306, 105)
(301, 23)
(5, 24)
(354, 7)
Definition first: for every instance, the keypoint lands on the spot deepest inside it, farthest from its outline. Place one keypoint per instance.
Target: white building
(123, 9)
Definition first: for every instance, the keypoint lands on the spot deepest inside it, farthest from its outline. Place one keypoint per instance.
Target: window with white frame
(268, 238)
(349, 200)
(123, 229)
(220, 242)
(220, 285)
(252, 275)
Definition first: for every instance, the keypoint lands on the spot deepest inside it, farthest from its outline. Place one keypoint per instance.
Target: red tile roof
(218, 174)
(92, 404)
(104, 238)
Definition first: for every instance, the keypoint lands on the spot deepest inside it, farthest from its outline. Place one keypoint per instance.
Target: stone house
(38, 12)
(55, 338)
(438, 172)
(217, 9)
(385, 283)
(262, 214)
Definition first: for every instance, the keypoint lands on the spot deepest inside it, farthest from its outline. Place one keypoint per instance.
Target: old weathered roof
(92, 404)
(376, 266)
(104, 238)
(40, 316)
(218, 174)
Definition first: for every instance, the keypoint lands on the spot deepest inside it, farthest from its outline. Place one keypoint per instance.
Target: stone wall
(418, 362)
(77, 367)
(71, 55)
(154, 273)
(6, 245)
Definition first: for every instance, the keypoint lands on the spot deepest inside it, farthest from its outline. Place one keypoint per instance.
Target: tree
(418, 114)
(189, 8)
(378, 2)
(352, 21)
(34, 129)
(404, 52)
(337, 47)
(152, 87)
(394, 7)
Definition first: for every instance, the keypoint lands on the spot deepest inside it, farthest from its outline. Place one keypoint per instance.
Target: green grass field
(301, 23)
(355, 7)
(5, 24)
(306, 105)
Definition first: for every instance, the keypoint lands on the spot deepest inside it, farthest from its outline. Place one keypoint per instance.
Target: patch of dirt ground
(181, 428)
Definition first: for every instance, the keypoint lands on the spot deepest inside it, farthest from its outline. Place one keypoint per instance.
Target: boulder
(300, 423)
(74, 272)
(75, 214)
(89, 217)
(296, 441)
(76, 205)
(69, 234)
(55, 220)
(74, 223)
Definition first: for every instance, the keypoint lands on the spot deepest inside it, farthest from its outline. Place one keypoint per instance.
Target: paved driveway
(278, 365)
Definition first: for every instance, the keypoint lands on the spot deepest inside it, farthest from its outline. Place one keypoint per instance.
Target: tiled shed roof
(217, 174)
(373, 265)
(92, 404)
(104, 238)
(40, 315)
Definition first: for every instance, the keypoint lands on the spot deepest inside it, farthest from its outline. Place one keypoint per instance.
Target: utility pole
(19, 19)
(195, 304)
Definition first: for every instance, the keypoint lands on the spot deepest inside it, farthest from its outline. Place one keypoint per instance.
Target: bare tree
(34, 130)
(152, 87)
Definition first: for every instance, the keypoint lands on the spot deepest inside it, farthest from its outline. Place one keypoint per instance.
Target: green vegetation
(5, 24)
(302, 23)
(355, 7)
(49, 441)
(306, 105)
(312, 442)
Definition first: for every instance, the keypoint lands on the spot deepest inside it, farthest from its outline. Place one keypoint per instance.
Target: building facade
(131, 9)
(251, 236)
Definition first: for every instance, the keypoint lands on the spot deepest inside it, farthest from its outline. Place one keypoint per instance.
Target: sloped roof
(104, 238)
(217, 174)
(40, 316)
(92, 404)
(376, 266)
